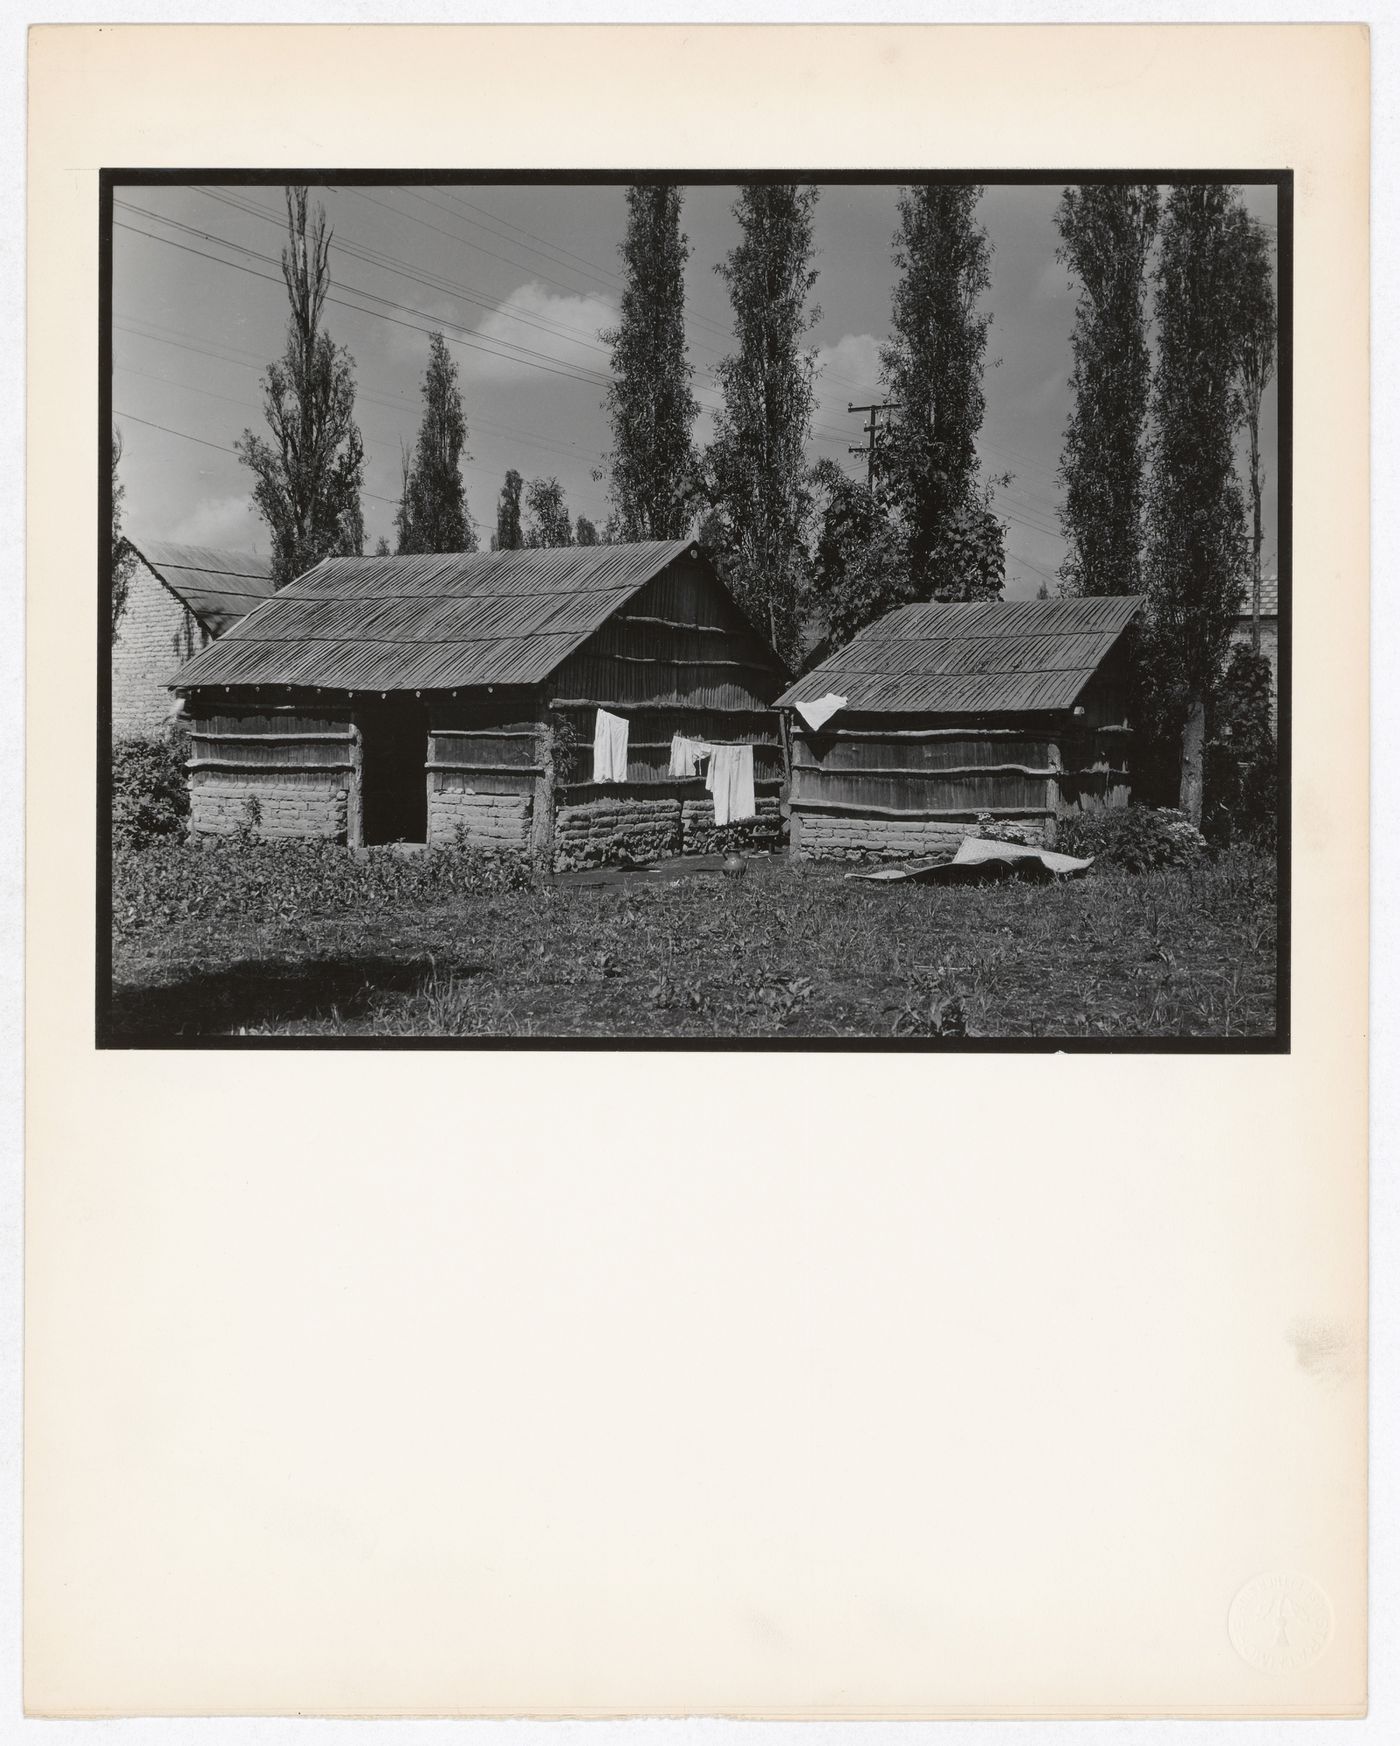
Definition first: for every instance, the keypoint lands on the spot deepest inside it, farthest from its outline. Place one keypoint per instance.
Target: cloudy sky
(521, 279)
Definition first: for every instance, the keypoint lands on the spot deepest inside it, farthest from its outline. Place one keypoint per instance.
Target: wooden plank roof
(218, 587)
(431, 622)
(981, 657)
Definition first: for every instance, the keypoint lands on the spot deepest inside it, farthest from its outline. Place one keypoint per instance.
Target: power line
(204, 443)
(521, 439)
(528, 361)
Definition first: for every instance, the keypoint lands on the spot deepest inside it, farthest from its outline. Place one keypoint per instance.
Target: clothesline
(728, 774)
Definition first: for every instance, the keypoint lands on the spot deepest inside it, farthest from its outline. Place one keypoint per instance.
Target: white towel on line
(609, 748)
(820, 709)
(686, 755)
(730, 780)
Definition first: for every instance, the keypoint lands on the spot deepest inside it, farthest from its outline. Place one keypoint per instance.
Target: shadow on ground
(254, 992)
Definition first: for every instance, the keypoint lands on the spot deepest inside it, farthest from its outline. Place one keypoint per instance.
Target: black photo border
(1277, 1043)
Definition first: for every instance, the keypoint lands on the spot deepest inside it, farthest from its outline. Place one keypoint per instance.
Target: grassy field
(785, 951)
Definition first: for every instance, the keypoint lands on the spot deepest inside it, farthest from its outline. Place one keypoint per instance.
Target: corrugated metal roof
(218, 587)
(988, 656)
(419, 623)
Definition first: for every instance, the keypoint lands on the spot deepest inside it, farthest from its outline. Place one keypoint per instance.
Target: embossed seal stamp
(1281, 1622)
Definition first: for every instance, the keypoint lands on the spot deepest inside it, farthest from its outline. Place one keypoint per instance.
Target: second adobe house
(939, 715)
(584, 704)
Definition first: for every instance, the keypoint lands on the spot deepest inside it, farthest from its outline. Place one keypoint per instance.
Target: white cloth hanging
(686, 755)
(820, 709)
(609, 748)
(730, 780)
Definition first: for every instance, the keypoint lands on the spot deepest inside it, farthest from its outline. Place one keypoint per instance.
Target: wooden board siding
(285, 770)
(678, 658)
(895, 768)
(269, 739)
(906, 774)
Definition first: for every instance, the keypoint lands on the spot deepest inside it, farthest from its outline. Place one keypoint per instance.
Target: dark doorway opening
(393, 775)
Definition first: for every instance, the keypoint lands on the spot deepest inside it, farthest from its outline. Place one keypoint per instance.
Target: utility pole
(872, 431)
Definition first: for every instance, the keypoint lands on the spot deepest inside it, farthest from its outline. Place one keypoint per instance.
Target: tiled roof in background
(218, 587)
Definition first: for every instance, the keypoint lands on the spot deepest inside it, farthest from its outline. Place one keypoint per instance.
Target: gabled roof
(218, 587)
(987, 656)
(431, 623)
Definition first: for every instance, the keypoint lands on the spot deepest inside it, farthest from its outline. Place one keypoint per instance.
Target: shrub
(1134, 837)
(1241, 756)
(150, 801)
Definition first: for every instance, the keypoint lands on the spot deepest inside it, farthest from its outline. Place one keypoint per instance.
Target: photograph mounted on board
(702, 611)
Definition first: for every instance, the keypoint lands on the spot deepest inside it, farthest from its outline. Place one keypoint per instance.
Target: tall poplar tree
(509, 536)
(757, 468)
(123, 559)
(1257, 356)
(1107, 234)
(932, 370)
(309, 475)
(653, 484)
(432, 514)
(1196, 545)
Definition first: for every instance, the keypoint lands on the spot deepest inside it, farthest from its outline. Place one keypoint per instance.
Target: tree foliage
(653, 482)
(309, 475)
(758, 478)
(549, 523)
(861, 568)
(432, 514)
(1196, 548)
(1257, 351)
(123, 559)
(1241, 753)
(1106, 234)
(509, 536)
(932, 370)
(585, 533)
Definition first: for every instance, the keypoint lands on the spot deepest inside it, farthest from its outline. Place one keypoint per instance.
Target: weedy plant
(1137, 838)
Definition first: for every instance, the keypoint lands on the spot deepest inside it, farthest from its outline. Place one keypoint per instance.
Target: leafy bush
(150, 801)
(242, 881)
(1134, 837)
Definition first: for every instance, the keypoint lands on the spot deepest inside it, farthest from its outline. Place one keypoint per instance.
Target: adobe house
(1017, 709)
(179, 599)
(437, 699)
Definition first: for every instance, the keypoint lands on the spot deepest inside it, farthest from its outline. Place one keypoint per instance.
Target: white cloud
(552, 329)
(856, 359)
(228, 522)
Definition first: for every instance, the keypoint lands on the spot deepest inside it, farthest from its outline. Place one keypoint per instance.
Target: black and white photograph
(794, 609)
(697, 876)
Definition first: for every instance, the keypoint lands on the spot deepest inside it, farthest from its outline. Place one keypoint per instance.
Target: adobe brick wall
(700, 835)
(833, 836)
(499, 822)
(290, 805)
(155, 634)
(599, 832)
